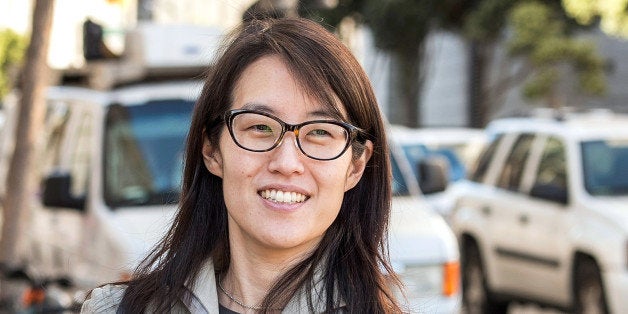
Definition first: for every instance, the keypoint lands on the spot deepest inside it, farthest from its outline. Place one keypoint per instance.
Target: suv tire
(475, 295)
(588, 289)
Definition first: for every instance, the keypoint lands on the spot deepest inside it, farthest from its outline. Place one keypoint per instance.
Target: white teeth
(283, 197)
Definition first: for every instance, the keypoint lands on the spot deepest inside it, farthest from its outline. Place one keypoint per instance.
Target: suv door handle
(486, 210)
(524, 219)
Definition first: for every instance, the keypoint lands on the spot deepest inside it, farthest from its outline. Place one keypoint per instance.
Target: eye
(319, 132)
(264, 128)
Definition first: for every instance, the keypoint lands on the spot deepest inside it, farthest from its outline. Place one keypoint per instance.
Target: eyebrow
(314, 114)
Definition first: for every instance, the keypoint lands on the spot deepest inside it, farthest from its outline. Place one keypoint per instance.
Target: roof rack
(559, 114)
(153, 52)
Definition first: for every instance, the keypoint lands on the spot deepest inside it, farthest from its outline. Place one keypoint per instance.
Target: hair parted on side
(353, 250)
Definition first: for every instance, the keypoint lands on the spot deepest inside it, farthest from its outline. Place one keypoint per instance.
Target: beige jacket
(204, 297)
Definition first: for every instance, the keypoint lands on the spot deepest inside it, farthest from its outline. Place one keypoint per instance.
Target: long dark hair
(353, 251)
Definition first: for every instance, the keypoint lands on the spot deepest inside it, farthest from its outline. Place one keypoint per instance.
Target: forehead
(271, 83)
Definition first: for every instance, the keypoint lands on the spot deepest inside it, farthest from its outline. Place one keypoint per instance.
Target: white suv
(544, 216)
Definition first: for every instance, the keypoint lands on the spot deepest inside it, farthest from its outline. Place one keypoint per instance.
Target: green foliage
(486, 21)
(331, 17)
(12, 49)
(542, 84)
(612, 14)
(540, 37)
(400, 28)
(540, 32)
(399, 24)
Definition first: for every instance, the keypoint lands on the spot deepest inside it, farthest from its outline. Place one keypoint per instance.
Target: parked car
(459, 147)
(111, 167)
(544, 215)
(422, 245)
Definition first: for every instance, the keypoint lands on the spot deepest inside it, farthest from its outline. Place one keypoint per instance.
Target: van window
(55, 125)
(81, 155)
(143, 152)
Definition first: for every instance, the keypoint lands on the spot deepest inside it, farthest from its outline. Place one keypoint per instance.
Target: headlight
(423, 282)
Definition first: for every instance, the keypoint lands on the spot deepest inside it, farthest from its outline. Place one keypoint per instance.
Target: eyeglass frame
(354, 133)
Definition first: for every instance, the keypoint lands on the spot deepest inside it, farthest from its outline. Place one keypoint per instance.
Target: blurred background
(436, 65)
(433, 63)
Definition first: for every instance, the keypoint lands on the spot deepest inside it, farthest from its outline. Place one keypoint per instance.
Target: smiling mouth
(283, 197)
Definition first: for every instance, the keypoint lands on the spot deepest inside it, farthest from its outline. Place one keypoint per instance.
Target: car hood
(418, 235)
(140, 228)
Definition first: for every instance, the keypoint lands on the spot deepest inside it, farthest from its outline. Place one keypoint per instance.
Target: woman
(286, 192)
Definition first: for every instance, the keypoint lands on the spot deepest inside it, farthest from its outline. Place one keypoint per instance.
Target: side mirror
(550, 192)
(433, 174)
(56, 192)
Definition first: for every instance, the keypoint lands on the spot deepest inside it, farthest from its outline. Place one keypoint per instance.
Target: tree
(481, 23)
(12, 47)
(551, 56)
(612, 14)
(488, 25)
(21, 183)
(271, 8)
(399, 27)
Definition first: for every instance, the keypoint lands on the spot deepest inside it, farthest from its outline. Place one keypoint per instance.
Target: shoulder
(104, 299)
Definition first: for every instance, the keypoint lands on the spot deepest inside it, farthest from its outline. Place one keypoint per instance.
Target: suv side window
(552, 171)
(510, 177)
(484, 161)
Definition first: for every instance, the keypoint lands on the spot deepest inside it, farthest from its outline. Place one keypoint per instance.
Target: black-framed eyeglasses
(259, 131)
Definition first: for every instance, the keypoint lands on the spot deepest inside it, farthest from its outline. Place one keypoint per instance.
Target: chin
(295, 242)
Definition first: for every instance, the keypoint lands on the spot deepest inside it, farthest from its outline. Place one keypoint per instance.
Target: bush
(12, 50)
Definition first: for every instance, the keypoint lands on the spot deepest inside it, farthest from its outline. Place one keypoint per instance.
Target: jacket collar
(205, 292)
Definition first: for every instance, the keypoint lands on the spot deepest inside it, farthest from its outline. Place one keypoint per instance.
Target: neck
(250, 277)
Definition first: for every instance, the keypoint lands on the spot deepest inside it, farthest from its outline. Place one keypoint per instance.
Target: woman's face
(257, 221)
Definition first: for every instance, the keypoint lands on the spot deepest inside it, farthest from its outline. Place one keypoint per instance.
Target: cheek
(238, 168)
(237, 162)
(333, 180)
(241, 170)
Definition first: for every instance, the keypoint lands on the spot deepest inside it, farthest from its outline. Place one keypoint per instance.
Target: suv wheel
(476, 298)
(588, 290)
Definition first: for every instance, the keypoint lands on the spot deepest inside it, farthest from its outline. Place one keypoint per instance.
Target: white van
(111, 164)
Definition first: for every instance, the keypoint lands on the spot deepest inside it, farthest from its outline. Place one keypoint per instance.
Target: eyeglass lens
(319, 140)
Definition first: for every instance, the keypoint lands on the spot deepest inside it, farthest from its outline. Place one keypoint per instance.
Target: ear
(356, 169)
(212, 158)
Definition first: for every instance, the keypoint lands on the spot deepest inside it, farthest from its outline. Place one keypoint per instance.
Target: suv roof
(128, 95)
(579, 126)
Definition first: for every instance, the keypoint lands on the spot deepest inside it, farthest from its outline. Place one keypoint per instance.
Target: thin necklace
(238, 302)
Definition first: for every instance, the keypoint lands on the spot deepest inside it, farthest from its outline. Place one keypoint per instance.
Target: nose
(287, 158)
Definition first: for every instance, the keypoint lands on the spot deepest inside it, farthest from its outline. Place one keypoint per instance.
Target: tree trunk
(405, 87)
(21, 183)
(478, 98)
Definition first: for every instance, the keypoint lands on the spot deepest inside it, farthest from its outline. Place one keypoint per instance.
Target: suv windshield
(605, 166)
(143, 152)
